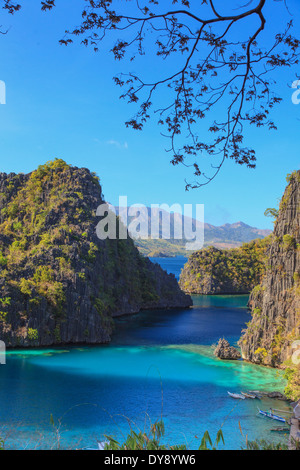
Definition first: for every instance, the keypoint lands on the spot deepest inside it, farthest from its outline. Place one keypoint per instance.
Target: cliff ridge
(275, 303)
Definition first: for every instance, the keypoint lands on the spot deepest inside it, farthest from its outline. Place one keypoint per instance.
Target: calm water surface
(160, 363)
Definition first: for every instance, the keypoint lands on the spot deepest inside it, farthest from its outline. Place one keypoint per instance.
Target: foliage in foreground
(152, 440)
(265, 445)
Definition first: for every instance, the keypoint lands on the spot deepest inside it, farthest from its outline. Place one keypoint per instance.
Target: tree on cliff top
(224, 59)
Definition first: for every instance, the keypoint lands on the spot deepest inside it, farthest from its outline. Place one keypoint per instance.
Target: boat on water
(248, 395)
(281, 429)
(257, 394)
(236, 395)
(271, 415)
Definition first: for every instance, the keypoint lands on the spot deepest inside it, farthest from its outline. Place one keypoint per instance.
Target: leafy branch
(223, 63)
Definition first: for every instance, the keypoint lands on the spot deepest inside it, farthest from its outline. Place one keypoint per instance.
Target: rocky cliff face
(215, 271)
(58, 282)
(275, 303)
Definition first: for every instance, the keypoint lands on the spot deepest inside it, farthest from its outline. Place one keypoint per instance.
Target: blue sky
(62, 102)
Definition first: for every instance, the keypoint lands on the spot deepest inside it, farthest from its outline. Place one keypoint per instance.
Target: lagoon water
(159, 363)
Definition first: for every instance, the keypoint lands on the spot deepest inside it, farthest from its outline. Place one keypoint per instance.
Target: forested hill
(235, 271)
(58, 282)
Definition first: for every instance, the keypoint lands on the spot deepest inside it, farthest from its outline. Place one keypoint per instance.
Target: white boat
(248, 395)
(236, 395)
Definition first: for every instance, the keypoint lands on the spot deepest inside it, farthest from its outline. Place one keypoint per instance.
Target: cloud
(117, 144)
(113, 142)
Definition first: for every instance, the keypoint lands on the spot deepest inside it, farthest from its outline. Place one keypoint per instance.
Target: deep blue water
(171, 265)
(159, 363)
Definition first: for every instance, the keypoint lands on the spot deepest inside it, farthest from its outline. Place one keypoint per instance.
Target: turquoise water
(160, 363)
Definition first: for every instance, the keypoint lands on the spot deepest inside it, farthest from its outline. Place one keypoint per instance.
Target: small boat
(281, 429)
(258, 393)
(283, 411)
(270, 414)
(236, 395)
(248, 395)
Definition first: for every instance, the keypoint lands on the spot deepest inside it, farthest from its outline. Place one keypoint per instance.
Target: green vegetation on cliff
(235, 271)
(58, 282)
(272, 336)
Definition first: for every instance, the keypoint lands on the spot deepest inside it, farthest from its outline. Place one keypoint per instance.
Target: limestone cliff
(215, 271)
(58, 282)
(275, 303)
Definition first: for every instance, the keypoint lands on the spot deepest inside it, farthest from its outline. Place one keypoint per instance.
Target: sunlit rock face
(275, 303)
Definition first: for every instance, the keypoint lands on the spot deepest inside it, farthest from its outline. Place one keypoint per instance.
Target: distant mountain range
(224, 236)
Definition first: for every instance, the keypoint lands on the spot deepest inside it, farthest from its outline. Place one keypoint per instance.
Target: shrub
(5, 301)
(3, 316)
(26, 286)
(256, 312)
(261, 352)
(288, 241)
(43, 274)
(271, 212)
(3, 260)
(292, 375)
(92, 252)
(32, 334)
